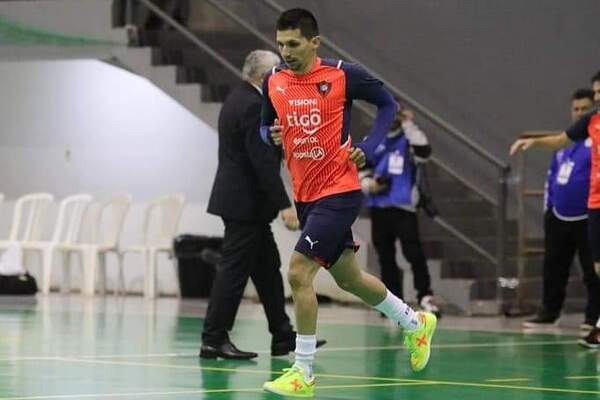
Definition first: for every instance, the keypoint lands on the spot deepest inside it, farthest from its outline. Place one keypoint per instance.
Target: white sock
(398, 311)
(306, 347)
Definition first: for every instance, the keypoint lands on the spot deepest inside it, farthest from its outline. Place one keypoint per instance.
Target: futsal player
(306, 110)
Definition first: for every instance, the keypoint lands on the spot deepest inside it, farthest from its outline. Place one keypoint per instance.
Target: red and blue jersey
(589, 126)
(314, 110)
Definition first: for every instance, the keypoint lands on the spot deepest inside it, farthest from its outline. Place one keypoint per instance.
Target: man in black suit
(247, 194)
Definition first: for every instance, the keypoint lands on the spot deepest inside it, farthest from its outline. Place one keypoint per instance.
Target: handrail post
(501, 215)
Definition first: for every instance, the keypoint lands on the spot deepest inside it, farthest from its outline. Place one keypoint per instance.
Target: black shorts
(326, 226)
(594, 232)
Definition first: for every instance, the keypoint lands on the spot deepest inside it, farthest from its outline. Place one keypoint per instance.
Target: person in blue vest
(392, 197)
(565, 226)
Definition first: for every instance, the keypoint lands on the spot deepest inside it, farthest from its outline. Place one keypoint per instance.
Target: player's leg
(298, 380)
(419, 326)
(590, 279)
(592, 340)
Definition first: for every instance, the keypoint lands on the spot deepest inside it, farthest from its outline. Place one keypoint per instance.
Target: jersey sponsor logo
(310, 241)
(303, 102)
(309, 123)
(316, 153)
(324, 88)
(305, 140)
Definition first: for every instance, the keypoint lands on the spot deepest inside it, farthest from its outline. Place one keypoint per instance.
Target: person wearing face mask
(393, 199)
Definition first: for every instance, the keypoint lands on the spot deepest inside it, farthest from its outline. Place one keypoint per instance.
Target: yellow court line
(528, 388)
(399, 380)
(202, 391)
(508, 380)
(233, 370)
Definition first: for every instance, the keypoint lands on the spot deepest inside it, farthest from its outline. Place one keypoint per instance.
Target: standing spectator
(565, 225)
(588, 126)
(392, 197)
(247, 194)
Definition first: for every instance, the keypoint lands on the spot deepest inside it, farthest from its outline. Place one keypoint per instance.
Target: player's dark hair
(596, 78)
(580, 94)
(298, 18)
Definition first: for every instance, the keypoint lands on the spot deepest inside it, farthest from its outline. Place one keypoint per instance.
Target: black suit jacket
(248, 185)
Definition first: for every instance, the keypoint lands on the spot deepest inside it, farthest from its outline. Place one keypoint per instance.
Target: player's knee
(298, 274)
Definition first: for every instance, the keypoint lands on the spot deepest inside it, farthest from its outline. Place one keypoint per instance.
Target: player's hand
(357, 156)
(521, 144)
(276, 132)
(597, 268)
(290, 218)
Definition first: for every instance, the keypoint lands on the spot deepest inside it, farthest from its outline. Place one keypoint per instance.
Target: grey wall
(491, 68)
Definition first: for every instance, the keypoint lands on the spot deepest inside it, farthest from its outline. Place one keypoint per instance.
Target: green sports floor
(108, 348)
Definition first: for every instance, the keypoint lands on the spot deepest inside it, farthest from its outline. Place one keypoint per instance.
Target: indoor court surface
(69, 347)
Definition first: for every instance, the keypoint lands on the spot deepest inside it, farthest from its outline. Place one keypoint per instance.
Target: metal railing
(499, 201)
(191, 37)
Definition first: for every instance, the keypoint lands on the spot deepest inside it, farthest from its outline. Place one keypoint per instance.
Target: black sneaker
(592, 340)
(541, 321)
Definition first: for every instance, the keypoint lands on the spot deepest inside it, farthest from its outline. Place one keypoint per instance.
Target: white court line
(323, 349)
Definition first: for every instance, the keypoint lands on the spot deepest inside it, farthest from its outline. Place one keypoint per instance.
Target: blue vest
(568, 183)
(394, 163)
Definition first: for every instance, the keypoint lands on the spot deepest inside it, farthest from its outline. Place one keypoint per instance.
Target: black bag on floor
(18, 284)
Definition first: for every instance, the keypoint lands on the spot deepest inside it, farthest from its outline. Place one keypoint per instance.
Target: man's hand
(290, 218)
(521, 144)
(357, 156)
(276, 132)
(376, 187)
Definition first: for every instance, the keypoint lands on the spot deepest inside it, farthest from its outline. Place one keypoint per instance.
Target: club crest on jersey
(324, 88)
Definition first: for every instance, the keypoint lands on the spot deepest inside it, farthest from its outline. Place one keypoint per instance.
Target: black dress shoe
(283, 347)
(226, 350)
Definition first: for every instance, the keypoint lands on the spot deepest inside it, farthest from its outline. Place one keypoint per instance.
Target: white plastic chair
(104, 240)
(66, 232)
(28, 220)
(161, 218)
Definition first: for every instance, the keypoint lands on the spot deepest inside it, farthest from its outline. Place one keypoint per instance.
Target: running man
(586, 127)
(306, 110)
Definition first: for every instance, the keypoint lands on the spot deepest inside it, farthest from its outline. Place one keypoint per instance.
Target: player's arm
(270, 129)
(577, 131)
(362, 86)
(552, 141)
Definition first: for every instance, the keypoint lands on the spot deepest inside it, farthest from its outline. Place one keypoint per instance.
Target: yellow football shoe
(292, 383)
(418, 342)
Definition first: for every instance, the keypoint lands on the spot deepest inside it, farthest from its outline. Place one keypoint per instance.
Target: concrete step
(470, 226)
